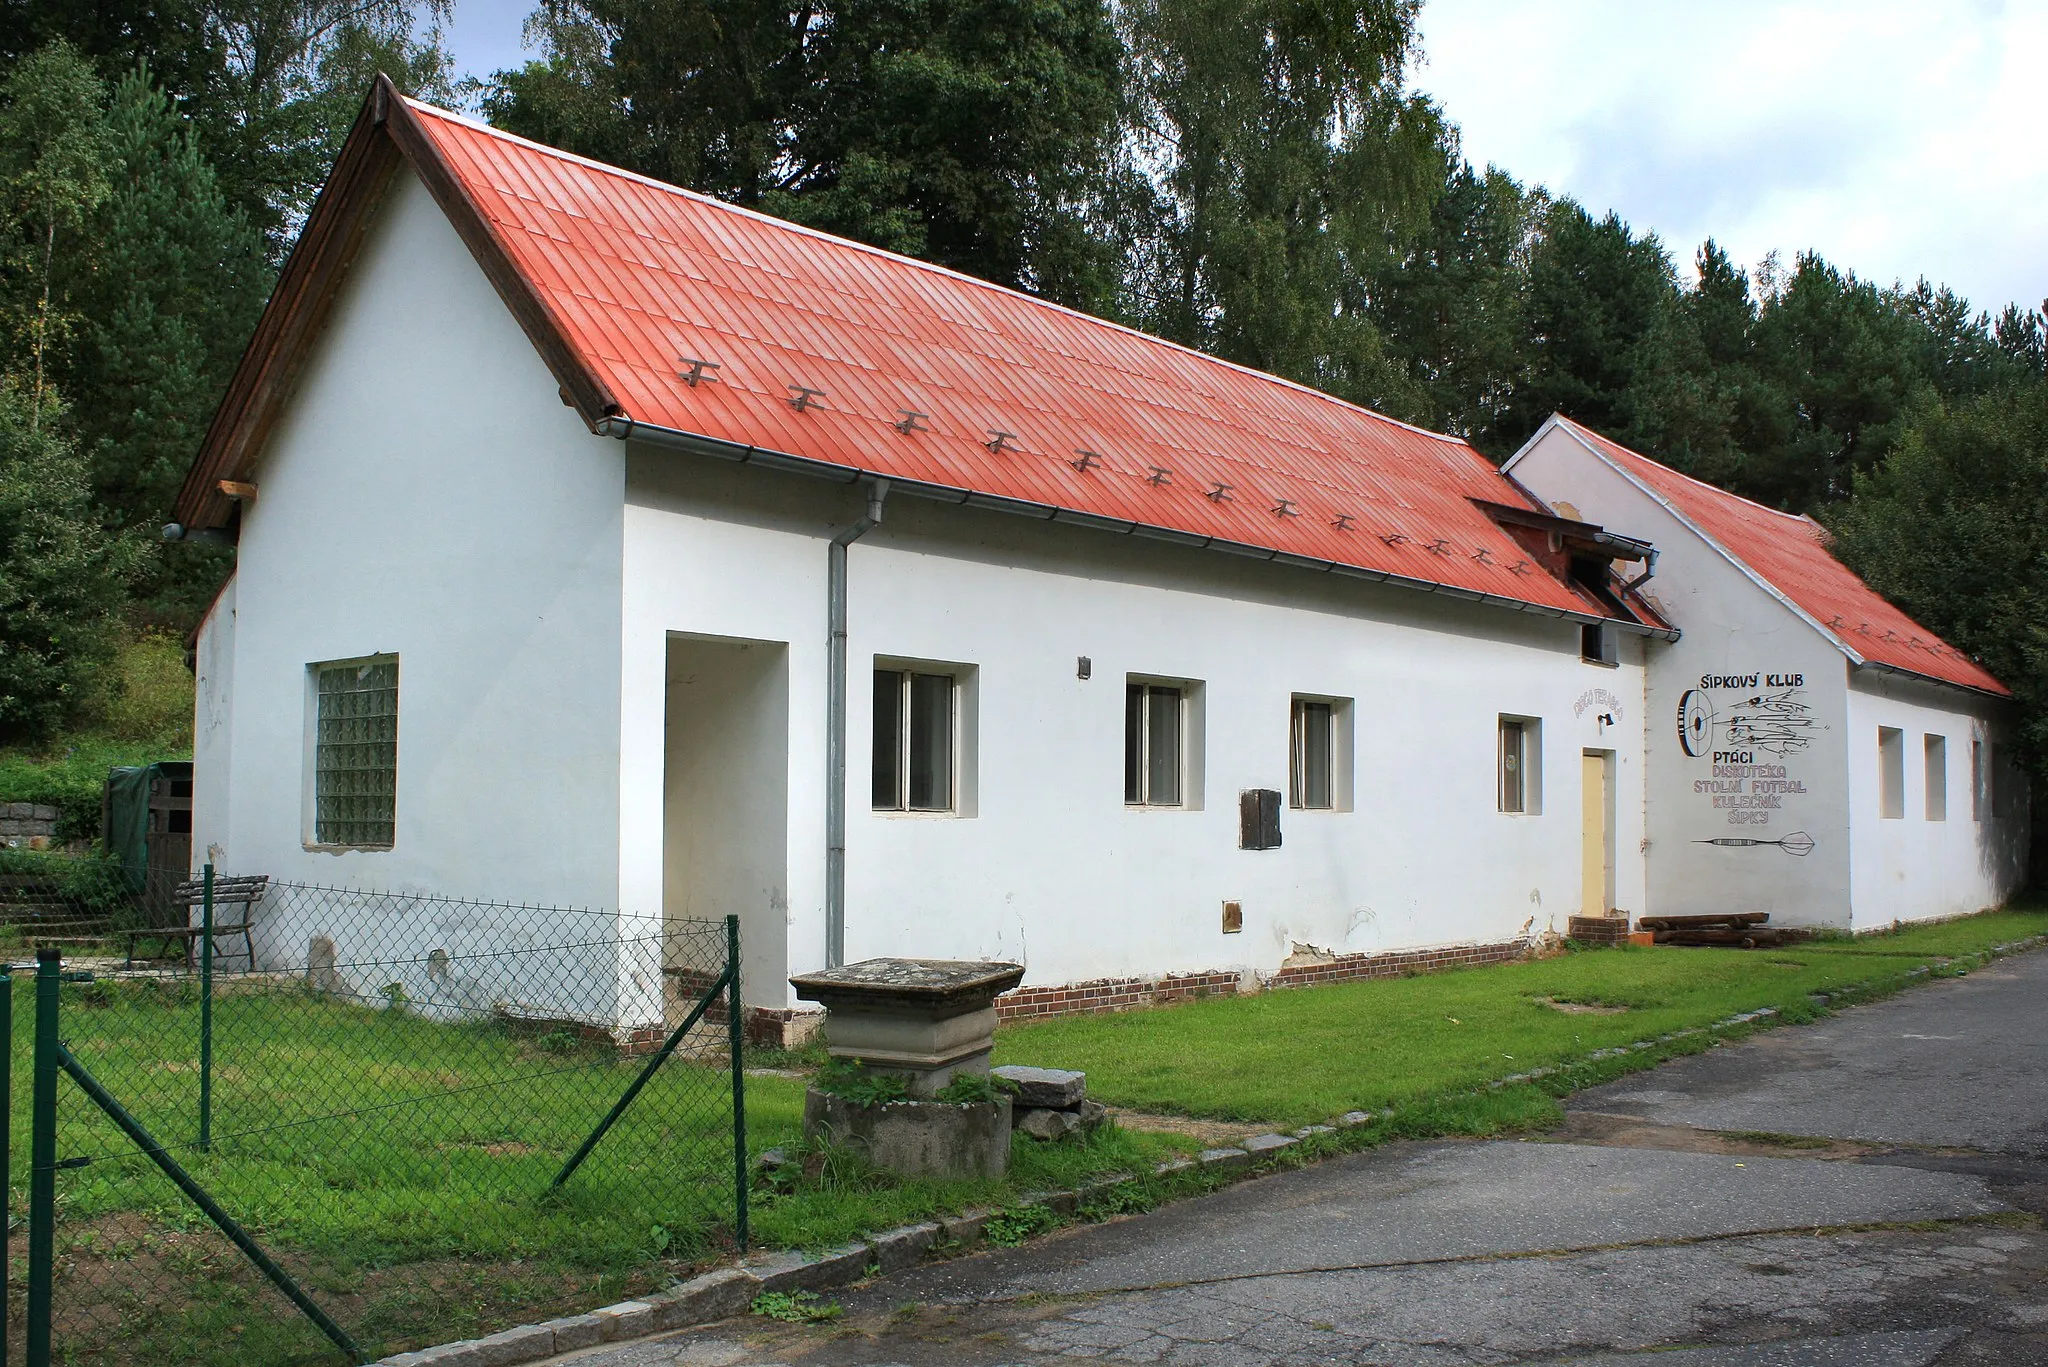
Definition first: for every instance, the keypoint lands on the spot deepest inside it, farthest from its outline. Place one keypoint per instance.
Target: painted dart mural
(1751, 730)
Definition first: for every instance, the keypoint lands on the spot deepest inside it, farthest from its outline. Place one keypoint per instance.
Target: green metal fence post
(206, 1011)
(42, 1159)
(736, 1036)
(6, 1139)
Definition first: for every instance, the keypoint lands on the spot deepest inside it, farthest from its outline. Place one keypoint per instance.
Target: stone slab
(575, 1331)
(625, 1320)
(1352, 1119)
(1061, 1203)
(1224, 1158)
(527, 1343)
(1260, 1145)
(1041, 1122)
(841, 1266)
(713, 1296)
(964, 1228)
(896, 1249)
(1053, 1087)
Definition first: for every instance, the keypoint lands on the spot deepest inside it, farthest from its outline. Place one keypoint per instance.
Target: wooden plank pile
(1735, 929)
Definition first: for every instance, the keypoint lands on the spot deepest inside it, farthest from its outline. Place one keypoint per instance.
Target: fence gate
(432, 1120)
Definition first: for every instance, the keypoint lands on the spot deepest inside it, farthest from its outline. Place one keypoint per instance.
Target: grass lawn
(401, 1166)
(1299, 1057)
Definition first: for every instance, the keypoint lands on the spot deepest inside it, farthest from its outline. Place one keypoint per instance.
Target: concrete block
(1350, 1119)
(1174, 1165)
(576, 1331)
(1056, 1088)
(1308, 1131)
(840, 1266)
(964, 1228)
(900, 1248)
(462, 1353)
(1042, 1123)
(1225, 1159)
(1096, 1191)
(713, 1296)
(527, 1343)
(1261, 1145)
(1061, 1203)
(626, 1320)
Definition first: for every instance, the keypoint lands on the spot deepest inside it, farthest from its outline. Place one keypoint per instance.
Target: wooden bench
(244, 892)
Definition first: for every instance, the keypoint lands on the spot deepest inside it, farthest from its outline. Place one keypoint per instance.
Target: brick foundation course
(1128, 994)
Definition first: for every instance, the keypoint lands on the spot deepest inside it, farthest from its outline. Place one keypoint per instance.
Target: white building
(556, 496)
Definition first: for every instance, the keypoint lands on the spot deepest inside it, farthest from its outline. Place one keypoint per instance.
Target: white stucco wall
(427, 495)
(1749, 657)
(1052, 868)
(1911, 867)
(213, 710)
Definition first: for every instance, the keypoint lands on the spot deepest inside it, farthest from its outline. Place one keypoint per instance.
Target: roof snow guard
(670, 316)
(1787, 554)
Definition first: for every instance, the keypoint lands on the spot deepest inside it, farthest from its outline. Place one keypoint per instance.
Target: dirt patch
(1208, 1133)
(1580, 1008)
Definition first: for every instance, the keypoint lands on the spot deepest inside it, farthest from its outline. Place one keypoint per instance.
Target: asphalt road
(1861, 1191)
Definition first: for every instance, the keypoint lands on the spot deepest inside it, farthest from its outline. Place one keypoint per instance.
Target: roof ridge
(452, 116)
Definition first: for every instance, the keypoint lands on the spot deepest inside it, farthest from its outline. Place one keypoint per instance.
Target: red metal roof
(635, 275)
(1789, 553)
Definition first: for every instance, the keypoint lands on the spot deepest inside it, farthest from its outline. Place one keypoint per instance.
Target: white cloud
(1897, 139)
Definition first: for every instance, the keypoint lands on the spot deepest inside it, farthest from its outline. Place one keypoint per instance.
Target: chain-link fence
(424, 1118)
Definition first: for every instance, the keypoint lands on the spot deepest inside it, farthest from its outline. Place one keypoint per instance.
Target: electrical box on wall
(1258, 819)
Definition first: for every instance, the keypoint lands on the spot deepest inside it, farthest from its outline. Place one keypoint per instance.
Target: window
(1597, 644)
(916, 728)
(1936, 749)
(1155, 731)
(355, 753)
(1891, 772)
(1319, 754)
(1313, 771)
(1977, 791)
(1521, 759)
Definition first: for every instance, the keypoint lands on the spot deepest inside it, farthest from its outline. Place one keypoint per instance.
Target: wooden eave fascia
(386, 132)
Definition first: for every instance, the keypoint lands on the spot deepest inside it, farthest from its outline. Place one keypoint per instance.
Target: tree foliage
(969, 132)
(63, 578)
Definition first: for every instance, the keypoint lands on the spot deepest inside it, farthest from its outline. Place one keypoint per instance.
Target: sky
(1898, 139)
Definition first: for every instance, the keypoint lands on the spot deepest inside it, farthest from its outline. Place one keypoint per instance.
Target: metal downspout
(835, 725)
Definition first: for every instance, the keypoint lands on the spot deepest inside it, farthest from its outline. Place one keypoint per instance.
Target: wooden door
(1596, 787)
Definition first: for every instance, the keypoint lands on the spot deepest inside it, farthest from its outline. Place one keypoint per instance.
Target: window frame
(1934, 776)
(1139, 767)
(1606, 644)
(1891, 773)
(1338, 756)
(904, 675)
(1527, 769)
(311, 827)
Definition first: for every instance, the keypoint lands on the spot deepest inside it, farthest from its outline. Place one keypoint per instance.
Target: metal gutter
(628, 429)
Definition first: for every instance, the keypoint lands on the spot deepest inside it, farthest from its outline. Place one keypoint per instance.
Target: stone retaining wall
(27, 825)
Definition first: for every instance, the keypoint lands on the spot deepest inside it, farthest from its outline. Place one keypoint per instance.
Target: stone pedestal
(916, 1138)
(923, 1020)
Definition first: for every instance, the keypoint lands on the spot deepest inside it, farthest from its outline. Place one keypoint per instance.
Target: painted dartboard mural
(1749, 732)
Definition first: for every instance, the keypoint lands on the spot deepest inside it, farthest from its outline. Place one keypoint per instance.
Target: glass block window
(355, 753)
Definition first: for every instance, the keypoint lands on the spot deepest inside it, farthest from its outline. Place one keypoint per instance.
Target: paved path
(1644, 1225)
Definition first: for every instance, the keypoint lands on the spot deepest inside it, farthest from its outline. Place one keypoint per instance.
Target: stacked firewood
(1734, 929)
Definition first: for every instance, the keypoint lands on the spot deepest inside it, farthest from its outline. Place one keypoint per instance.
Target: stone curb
(731, 1291)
